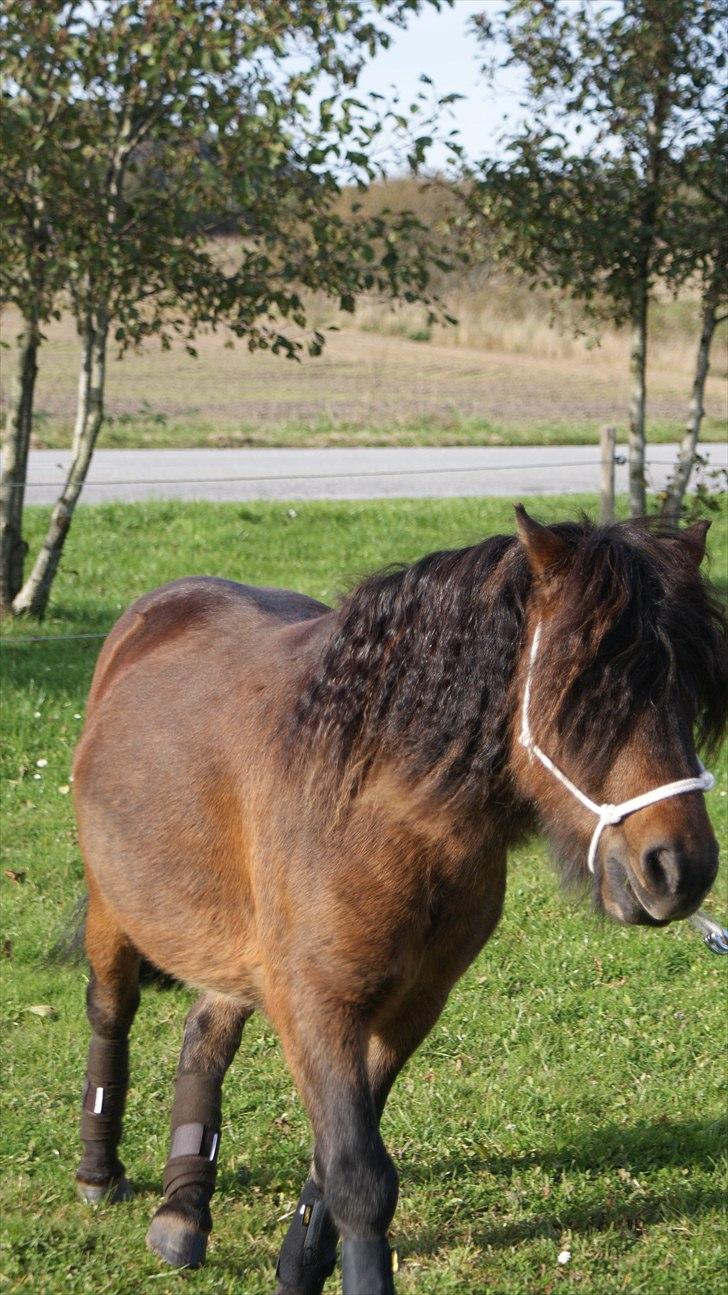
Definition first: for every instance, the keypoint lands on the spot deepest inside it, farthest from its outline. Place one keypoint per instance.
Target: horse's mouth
(621, 901)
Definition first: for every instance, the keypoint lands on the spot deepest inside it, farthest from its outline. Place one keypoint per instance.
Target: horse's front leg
(326, 1050)
(308, 1253)
(182, 1224)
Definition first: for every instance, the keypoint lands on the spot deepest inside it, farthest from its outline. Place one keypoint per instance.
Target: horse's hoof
(283, 1289)
(177, 1241)
(112, 1193)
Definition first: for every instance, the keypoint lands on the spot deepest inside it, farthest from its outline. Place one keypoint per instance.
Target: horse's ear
(544, 548)
(694, 537)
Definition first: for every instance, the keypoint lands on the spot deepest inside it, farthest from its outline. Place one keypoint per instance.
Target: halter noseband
(607, 815)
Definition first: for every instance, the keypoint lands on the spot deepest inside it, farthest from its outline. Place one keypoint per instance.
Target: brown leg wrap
(195, 1133)
(104, 1097)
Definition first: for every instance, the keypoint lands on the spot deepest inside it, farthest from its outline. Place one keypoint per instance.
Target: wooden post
(606, 490)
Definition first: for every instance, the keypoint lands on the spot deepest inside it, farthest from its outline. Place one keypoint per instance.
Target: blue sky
(440, 45)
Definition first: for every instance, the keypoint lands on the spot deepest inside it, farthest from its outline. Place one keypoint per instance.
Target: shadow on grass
(65, 667)
(640, 1149)
(632, 1216)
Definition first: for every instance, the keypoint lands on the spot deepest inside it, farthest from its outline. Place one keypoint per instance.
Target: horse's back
(195, 606)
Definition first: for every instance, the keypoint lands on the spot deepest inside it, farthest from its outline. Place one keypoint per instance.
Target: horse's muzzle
(671, 883)
(667, 886)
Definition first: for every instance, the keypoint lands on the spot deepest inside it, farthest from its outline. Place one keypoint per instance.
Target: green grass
(150, 430)
(571, 1097)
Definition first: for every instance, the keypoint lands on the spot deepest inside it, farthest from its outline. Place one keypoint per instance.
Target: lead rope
(607, 815)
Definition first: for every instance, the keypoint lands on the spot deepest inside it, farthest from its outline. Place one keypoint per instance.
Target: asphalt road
(376, 473)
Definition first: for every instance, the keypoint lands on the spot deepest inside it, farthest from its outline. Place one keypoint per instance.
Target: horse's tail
(69, 950)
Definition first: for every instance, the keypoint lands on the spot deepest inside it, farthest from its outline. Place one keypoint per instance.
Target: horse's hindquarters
(167, 777)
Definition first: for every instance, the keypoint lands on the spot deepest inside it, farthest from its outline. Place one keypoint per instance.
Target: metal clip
(715, 935)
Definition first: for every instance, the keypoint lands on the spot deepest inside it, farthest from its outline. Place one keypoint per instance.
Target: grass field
(571, 1098)
(374, 387)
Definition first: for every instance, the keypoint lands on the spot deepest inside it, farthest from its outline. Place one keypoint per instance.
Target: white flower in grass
(563, 1257)
(41, 764)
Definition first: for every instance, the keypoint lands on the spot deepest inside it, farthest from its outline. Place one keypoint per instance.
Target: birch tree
(700, 209)
(636, 81)
(185, 113)
(36, 75)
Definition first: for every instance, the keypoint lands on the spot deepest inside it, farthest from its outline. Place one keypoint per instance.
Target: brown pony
(308, 812)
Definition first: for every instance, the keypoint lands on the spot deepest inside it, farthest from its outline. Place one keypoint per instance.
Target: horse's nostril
(661, 869)
(671, 880)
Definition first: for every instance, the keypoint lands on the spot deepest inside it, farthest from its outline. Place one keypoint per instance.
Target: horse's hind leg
(112, 1000)
(181, 1225)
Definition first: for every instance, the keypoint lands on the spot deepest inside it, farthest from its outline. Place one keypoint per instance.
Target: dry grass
(499, 314)
(498, 311)
(373, 384)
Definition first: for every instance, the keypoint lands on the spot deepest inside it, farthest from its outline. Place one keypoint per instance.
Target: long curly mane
(637, 628)
(422, 661)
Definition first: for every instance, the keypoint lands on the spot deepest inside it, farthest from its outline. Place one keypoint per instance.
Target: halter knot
(606, 815)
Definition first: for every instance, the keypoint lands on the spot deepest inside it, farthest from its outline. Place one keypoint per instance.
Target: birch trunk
(680, 479)
(606, 484)
(637, 407)
(16, 443)
(33, 597)
(649, 220)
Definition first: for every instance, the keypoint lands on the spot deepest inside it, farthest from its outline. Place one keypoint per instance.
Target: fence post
(606, 489)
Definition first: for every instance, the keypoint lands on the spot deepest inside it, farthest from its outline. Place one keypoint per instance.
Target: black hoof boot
(367, 1267)
(179, 1231)
(112, 1192)
(308, 1253)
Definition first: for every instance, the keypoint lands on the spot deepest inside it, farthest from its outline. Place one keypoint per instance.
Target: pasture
(375, 384)
(571, 1098)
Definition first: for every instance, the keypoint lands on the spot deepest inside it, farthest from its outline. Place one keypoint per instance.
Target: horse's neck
(457, 831)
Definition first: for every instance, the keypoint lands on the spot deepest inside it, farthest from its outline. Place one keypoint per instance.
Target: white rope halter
(606, 814)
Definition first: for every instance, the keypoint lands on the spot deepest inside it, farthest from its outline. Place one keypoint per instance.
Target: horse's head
(624, 666)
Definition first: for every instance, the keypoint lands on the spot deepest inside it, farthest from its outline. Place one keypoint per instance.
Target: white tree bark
(637, 409)
(648, 233)
(16, 443)
(680, 479)
(608, 438)
(33, 597)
